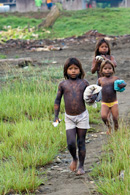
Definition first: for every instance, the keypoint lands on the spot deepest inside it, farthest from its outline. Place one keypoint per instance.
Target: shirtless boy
(76, 115)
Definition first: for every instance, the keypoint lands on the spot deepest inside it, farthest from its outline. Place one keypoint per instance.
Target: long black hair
(76, 62)
(99, 43)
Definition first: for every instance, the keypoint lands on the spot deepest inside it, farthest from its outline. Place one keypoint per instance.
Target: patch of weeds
(16, 57)
(3, 56)
(47, 61)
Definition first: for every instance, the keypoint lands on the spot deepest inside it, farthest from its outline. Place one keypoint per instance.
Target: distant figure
(89, 4)
(76, 115)
(109, 97)
(49, 4)
(38, 3)
(94, 4)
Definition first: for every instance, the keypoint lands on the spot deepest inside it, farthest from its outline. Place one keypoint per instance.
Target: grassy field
(110, 21)
(26, 110)
(112, 176)
(27, 137)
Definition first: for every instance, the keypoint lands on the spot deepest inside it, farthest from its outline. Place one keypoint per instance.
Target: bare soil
(59, 178)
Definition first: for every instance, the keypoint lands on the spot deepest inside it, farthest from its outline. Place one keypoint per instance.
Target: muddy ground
(60, 180)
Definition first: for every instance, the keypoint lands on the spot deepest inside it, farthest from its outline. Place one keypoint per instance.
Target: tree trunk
(51, 18)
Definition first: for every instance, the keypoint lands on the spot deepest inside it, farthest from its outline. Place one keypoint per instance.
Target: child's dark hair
(104, 63)
(99, 43)
(76, 62)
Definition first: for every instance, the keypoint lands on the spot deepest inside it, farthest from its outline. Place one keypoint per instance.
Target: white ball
(99, 58)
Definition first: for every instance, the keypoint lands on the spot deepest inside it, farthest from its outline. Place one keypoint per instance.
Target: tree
(51, 17)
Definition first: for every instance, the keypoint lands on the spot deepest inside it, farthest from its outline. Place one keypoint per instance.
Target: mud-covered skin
(108, 92)
(64, 182)
(72, 89)
(103, 51)
(97, 63)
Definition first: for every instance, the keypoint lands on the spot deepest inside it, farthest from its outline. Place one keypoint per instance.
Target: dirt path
(60, 181)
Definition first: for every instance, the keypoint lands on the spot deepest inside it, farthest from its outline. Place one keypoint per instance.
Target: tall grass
(27, 136)
(113, 174)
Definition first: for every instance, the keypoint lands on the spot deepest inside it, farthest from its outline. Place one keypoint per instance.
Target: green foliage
(102, 20)
(2, 56)
(116, 160)
(110, 21)
(27, 136)
(59, 5)
(14, 177)
(15, 22)
(94, 114)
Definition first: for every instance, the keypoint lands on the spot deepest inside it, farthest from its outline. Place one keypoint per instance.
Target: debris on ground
(59, 44)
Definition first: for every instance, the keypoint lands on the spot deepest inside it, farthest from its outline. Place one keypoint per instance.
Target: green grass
(15, 21)
(2, 56)
(110, 21)
(116, 160)
(107, 21)
(27, 137)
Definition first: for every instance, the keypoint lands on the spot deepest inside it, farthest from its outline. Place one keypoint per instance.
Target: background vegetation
(27, 137)
(110, 21)
(112, 176)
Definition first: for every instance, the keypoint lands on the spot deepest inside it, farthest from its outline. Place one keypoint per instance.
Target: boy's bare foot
(73, 165)
(80, 172)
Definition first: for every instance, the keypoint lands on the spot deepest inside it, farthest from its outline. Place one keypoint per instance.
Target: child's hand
(93, 98)
(122, 85)
(99, 58)
(104, 57)
(56, 121)
(119, 85)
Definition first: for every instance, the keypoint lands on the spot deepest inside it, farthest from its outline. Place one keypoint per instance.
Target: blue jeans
(49, 5)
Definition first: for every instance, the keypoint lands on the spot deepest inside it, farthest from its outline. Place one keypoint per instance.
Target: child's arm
(99, 82)
(57, 102)
(113, 61)
(94, 67)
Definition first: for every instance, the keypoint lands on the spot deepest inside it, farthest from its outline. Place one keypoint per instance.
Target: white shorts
(80, 121)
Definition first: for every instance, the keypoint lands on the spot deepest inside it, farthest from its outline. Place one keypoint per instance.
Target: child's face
(107, 70)
(103, 49)
(73, 71)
